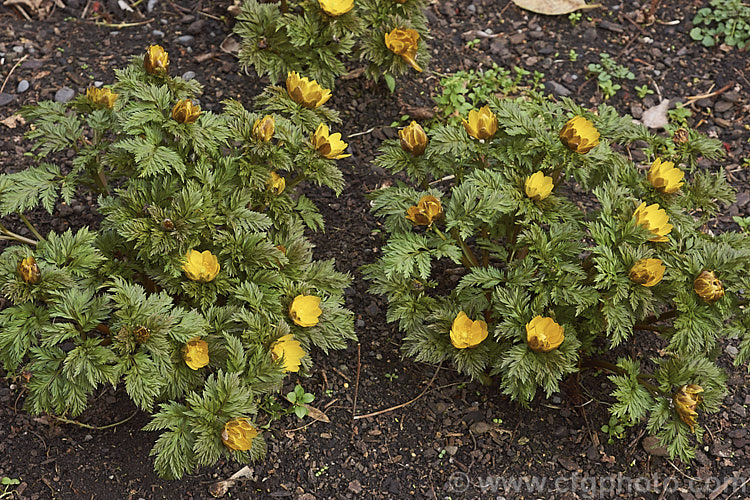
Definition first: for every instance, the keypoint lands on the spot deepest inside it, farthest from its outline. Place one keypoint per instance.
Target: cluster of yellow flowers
(543, 334)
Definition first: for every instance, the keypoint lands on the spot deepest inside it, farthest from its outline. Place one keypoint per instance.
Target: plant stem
(30, 226)
(10, 235)
(94, 427)
(605, 365)
(472, 260)
(485, 252)
(284, 7)
(294, 181)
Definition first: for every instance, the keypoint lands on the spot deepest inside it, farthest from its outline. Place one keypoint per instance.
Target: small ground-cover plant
(606, 72)
(493, 264)
(724, 19)
(198, 292)
(315, 37)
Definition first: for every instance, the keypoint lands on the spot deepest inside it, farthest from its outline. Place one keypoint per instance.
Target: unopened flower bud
(708, 286)
(29, 271)
(686, 401)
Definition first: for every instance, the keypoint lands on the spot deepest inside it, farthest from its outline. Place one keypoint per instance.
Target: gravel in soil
(457, 431)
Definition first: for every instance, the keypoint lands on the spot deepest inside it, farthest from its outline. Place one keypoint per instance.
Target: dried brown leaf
(554, 7)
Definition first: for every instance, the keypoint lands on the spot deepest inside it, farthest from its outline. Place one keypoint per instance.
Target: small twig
(446, 178)
(380, 412)
(94, 427)
(740, 488)
(10, 235)
(86, 9)
(711, 94)
(356, 383)
(5, 82)
(683, 474)
(23, 12)
(124, 25)
(361, 133)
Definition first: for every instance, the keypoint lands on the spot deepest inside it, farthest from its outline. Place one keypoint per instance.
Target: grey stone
(731, 350)
(151, 4)
(64, 94)
(480, 427)
(636, 110)
(617, 28)
(743, 198)
(6, 98)
(590, 35)
(723, 106)
(557, 89)
(196, 27)
(188, 75)
(739, 410)
(517, 38)
(185, 39)
(18, 49)
(23, 86)
(157, 33)
(451, 450)
(731, 96)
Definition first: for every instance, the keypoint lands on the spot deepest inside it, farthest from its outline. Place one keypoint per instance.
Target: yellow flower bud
(29, 271)
(654, 219)
(482, 124)
(467, 333)
(579, 135)
(141, 334)
(685, 402)
(404, 42)
(263, 128)
(276, 183)
(647, 272)
(413, 139)
(543, 334)
(238, 434)
(185, 111)
(305, 92)
(680, 136)
(101, 97)
(426, 211)
(305, 310)
(335, 8)
(201, 266)
(538, 186)
(290, 351)
(329, 146)
(156, 60)
(708, 286)
(195, 353)
(665, 177)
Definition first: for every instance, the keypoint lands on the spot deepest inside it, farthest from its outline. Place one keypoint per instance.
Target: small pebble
(6, 98)
(64, 94)
(18, 49)
(23, 86)
(158, 33)
(188, 75)
(185, 39)
(98, 83)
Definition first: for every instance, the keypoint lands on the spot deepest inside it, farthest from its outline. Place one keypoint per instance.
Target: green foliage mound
(526, 242)
(198, 292)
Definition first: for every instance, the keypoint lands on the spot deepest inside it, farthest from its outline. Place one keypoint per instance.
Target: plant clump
(512, 278)
(198, 292)
(317, 38)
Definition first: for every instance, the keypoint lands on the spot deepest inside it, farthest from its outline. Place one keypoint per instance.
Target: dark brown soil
(456, 430)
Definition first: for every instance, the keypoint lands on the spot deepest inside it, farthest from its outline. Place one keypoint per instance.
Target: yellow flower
(101, 97)
(29, 271)
(665, 177)
(685, 402)
(305, 92)
(579, 135)
(263, 128)
(404, 42)
(290, 350)
(467, 333)
(413, 139)
(331, 147)
(185, 111)
(156, 60)
(305, 310)
(238, 434)
(708, 286)
(538, 186)
(427, 210)
(482, 124)
(276, 183)
(195, 353)
(654, 219)
(647, 272)
(336, 8)
(201, 266)
(543, 334)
